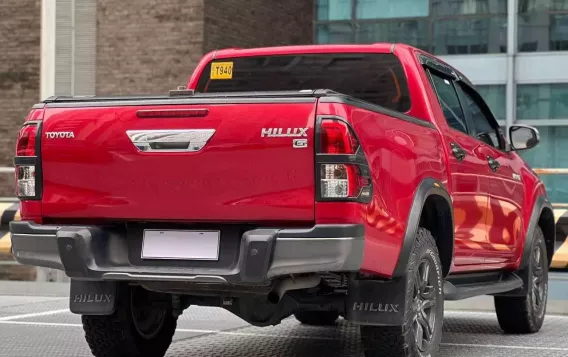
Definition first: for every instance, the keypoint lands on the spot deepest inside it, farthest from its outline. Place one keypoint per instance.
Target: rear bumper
(252, 257)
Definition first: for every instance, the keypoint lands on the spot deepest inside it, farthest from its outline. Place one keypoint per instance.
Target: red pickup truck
(370, 182)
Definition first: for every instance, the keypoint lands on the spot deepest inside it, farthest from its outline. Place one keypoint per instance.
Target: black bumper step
(464, 286)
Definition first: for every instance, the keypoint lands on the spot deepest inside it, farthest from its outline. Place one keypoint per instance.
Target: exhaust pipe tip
(273, 298)
(303, 282)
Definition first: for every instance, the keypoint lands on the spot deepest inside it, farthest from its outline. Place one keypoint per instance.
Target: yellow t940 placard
(221, 70)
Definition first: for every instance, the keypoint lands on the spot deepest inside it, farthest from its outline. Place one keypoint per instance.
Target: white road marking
(24, 316)
(33, 323)
(455, 313)
(191, 330)
(250, 334)
(475, 345)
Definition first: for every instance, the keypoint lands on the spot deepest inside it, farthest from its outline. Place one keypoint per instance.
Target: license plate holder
(180, 244)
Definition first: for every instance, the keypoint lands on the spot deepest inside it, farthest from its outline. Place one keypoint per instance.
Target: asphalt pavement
(33, 326)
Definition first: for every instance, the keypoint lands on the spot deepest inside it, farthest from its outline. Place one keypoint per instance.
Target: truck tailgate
(198, 162)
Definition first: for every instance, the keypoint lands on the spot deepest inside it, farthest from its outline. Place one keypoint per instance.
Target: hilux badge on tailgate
(284, 133)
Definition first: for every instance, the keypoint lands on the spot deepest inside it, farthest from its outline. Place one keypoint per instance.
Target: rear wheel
(317, 318)
(525, 314)
(422, 331)
(142, 325)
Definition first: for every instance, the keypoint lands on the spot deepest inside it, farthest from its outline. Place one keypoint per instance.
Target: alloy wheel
(424, 305)
(538, 283)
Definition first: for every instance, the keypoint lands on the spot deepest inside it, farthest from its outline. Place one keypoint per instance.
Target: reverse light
(25, 181)
(339, 181)
(343, 168)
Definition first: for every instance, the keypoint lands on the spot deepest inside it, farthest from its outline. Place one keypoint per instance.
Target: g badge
(300, 143)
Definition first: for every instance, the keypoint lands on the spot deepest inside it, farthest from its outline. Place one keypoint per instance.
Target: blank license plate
(181, 245)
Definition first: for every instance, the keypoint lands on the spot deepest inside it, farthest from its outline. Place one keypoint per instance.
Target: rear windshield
(375, 78)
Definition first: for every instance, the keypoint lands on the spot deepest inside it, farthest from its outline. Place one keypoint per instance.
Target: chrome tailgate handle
(181, 140)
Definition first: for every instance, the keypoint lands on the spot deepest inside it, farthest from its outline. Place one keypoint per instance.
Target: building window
(543, 25)
(388, 9)
(542, 101)
(494, 96)
(437, 26)
(468, 7)
(335, 33)
(551, 153)
(332, 10)
(470, 35)
(412, 32)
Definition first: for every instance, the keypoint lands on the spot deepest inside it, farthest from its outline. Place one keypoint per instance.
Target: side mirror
(523, 137)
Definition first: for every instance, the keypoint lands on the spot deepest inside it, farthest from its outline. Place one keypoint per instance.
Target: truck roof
(280, 50)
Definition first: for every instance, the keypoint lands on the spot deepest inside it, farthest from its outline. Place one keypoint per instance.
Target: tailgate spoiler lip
(178, 101)
(305, 96)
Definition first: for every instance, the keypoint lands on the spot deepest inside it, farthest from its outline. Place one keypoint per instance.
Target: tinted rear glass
(375, 78)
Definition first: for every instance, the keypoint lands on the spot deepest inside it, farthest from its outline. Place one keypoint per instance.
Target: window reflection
(438, 26)
(333, 10)
(543, 25)
(389, 9)
(551, 152)
(335, 33)
(412, 32)
(494, 96)
(468, 7)
(542, 5)
(470, 36)
(542, 101)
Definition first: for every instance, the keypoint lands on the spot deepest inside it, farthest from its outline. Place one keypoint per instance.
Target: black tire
(421, 292)
(117, 335)
(317, 318)
(525, 314)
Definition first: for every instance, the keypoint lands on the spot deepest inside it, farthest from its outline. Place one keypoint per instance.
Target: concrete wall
(19, 75)
(152, 46)
(254, 23)
(147, 46)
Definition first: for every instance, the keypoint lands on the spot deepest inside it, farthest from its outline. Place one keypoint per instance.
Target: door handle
(458, 152)
(493, 164)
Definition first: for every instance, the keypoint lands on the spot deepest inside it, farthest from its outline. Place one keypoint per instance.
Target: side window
(483, 126)
(449, 102)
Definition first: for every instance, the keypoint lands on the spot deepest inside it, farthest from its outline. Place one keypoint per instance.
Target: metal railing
(42, 274)
(7, 170)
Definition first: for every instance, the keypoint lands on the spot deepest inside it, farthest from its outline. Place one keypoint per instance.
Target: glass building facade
(514, 51)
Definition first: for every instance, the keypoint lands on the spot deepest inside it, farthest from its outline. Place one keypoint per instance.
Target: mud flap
(376, 302)
(93, 297)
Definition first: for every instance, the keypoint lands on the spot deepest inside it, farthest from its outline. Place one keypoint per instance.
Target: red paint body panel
(401, 154)
(240, 176)
(237, 176)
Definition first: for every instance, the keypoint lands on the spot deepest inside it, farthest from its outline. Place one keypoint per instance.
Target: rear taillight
(26, 140)
(343, 170)
(337, 138)
(27, 161)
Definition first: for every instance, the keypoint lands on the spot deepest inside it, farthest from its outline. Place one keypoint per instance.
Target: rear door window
(485, 127)
(450, 103)
(373, 77)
